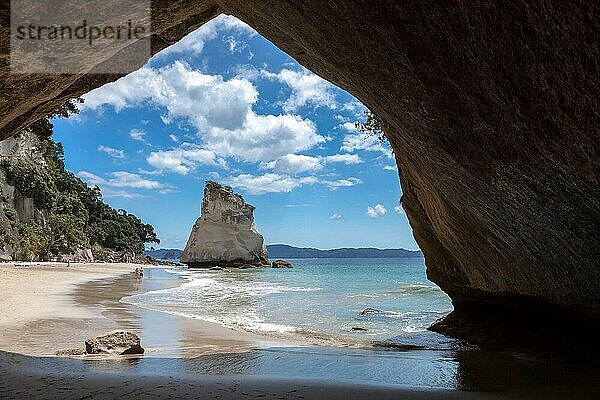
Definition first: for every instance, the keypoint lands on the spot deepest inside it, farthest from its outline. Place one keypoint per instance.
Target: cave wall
(492, 110)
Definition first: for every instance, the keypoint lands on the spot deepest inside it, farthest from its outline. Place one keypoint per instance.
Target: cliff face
(492, 111)
(225, 234)
(14, 207)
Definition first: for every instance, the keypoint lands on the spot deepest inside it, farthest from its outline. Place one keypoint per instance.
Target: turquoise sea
(318, 300)
(318, 303)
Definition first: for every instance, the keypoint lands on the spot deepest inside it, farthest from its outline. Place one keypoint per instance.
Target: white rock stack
(225, 234)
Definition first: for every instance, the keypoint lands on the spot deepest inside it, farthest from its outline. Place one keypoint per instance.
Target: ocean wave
(175, 271)
(243, 301)
(224, 300)
(249, 322)
(364, 296)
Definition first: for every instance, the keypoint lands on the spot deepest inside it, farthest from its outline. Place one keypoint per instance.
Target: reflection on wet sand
(473, 371)
(162, 334)
(104, 295)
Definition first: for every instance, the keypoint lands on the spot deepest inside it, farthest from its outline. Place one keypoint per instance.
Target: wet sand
(46, 307)
(49, 307)
(27, 377)
(37, 312)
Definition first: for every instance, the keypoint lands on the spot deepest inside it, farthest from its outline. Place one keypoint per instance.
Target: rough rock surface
(79, 255)
(115, 342)
(369, 311)
(281, 264)
(225, 234)
(491, 109)
(15, 207)
(70, 352)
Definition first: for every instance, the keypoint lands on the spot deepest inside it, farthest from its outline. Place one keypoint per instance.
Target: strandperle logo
(82, 31)
(79, 37)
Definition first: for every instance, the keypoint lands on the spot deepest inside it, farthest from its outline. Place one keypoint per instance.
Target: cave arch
(491, 111)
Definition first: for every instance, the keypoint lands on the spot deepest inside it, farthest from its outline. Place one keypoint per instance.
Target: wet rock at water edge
(281, 264)
(369, 310)
(115, 342)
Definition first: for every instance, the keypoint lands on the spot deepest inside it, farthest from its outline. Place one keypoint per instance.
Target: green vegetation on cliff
(72, 215)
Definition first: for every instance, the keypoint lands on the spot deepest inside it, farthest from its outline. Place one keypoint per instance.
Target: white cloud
(111, 152)
(195, 41)
(343, 158)
(349, 126)
(365, 142)
(264, 137)
(237, 44)
(90, 178)
(276, 182)
(336, 216)
(357, 140)
(377, 211)
(174, 138)
(147, 172)
(127, 179)
(137, 134)
(220, 110)
(295, 164)
(205, 99)
(111, 193)
(390, 168)
(398, 209)
(352, 181)
(121, 179)
(268, 183)
(355, 107)
(307, 89)
(183, 159)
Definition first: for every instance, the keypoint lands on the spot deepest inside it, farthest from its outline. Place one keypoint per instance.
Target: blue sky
(225, 104)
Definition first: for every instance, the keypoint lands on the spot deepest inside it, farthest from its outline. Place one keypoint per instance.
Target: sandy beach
(48, 307)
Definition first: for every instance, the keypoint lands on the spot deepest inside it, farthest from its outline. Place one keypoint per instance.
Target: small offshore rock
(281, 264)
(370, 310)
(358, 328)
(115, 342)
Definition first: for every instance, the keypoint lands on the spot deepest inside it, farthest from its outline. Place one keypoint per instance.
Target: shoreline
(31, 291)
(58, 307)
(47, 307)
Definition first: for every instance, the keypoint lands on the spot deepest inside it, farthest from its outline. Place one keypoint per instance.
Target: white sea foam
(310, 305)
(222, 300)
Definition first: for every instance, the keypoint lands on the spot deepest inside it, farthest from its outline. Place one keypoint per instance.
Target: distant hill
(286, 251)
(164, 254)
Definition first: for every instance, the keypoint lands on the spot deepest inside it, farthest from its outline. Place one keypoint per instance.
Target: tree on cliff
(75, 216)
(372, 126)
